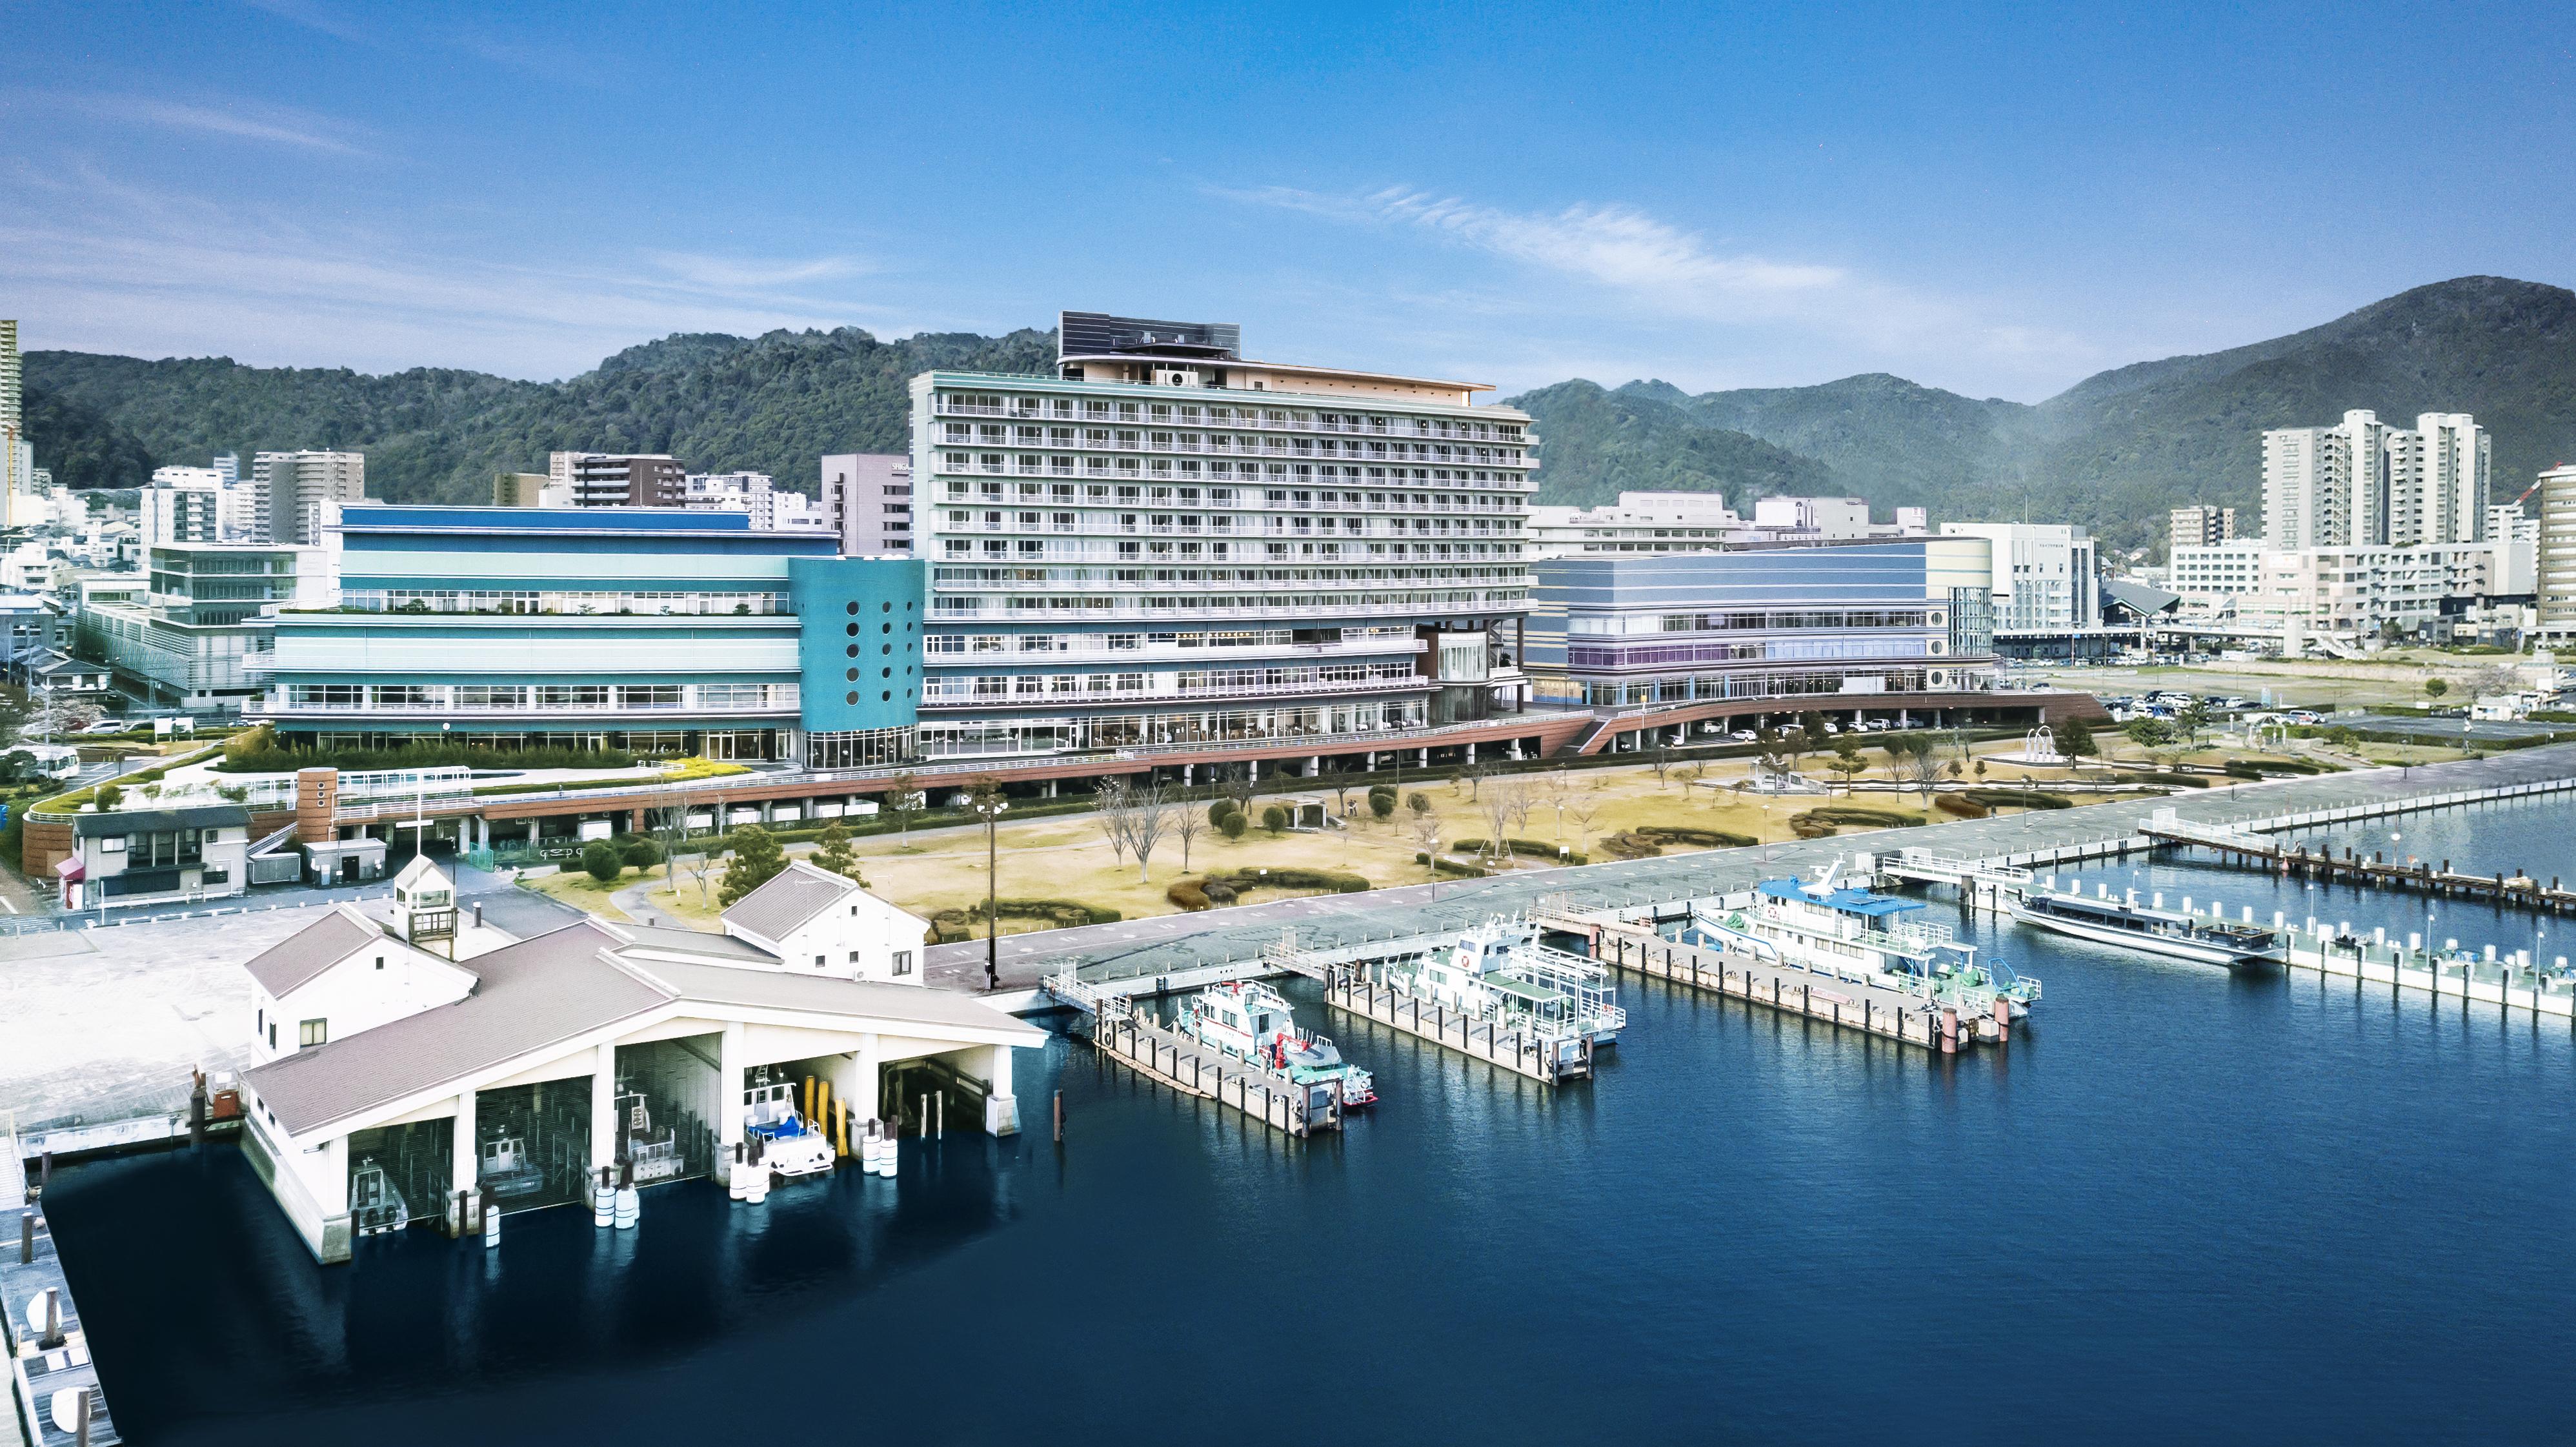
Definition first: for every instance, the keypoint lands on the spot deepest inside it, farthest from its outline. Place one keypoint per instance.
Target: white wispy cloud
(96, 264)
(1667, 275)
(242, 120)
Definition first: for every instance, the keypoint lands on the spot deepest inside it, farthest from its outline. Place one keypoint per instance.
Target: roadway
(1166, 943)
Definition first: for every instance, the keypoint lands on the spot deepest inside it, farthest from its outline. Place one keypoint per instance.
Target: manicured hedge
(1705, 838)
(1275, 878)
(1450, 867)
(1962, 808)
(1526, 848)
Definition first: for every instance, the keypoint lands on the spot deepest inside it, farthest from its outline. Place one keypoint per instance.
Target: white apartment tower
(2363, 483)
(1167, 544)
(2045, 578)
(298, 494)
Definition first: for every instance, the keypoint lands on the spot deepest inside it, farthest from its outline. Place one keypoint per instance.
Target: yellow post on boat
(809, 1100)
(822, 1118)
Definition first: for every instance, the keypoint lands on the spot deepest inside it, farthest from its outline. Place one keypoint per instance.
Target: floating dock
(55, 1397)
(1549, 1059)
(2516, 983)
(1841, 1000)
(1154, 1050)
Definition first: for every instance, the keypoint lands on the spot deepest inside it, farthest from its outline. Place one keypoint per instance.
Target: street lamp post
(988, 802)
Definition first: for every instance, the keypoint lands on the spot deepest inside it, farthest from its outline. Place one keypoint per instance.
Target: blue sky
(1995, 201)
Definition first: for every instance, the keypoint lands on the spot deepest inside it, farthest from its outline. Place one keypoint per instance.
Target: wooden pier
(1147, 1047)
(2299, 861)
(1850, 1004)
(1547, 1059)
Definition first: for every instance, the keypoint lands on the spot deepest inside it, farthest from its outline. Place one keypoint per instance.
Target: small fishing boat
(2206, 939)
(789, 1144)
(652, 1150)
(374, 1204)
(1252, 1022)
(505, 1168)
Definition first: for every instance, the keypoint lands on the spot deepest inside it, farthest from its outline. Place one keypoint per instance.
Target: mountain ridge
(2112, 452)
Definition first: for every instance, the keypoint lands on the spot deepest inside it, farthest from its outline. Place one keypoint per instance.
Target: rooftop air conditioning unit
(1175, 377)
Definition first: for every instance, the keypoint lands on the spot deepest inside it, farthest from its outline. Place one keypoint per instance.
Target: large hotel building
(1168, 545)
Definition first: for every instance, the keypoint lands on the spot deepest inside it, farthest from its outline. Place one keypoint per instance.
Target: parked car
(1745, 736)
(104, 727)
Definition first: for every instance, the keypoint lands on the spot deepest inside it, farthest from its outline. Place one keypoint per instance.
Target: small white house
(342, 974)
(817, 922)
(152, 856)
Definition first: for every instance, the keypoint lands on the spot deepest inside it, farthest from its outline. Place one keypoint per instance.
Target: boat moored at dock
(1860, 936)
(2149, 928)
(1251, 1021)
(789, 1145)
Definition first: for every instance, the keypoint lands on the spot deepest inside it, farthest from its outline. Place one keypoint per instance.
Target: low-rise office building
(154, 856)
(1880, 625)
(658, 631)
(202, 634)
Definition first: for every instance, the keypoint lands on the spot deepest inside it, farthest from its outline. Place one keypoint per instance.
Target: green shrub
(1962, 808)
(642, 854)
(1189, 894)
(1450, 867)
(1218, 810)
(1705, 838)
(1630, 845)
(1382, 802)
(1860, 815)
(248, 754)
(601, 861)
(2019, 799)
(1525, 848)
(1275, 819)
(1277, 878)
(1232, 825)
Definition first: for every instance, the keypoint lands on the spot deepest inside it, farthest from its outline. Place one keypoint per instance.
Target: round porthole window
(854, 675)
(886, 697)
(885, 673)
(853, 698)
(854, 610)
(854, 650)
(854, 630)
(889, 607)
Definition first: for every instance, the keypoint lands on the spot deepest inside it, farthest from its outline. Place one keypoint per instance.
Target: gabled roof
(284, 967)
(536, 993)
(539, 994)
(790, 898)
(2138, 597)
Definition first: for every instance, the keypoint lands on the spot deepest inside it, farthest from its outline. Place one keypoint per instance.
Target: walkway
(1166, 943)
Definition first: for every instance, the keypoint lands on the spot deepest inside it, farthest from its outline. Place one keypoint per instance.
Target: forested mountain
(770, 404)
(2113, 452)
(2117, 450)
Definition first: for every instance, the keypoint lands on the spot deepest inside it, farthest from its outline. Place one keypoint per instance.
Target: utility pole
(987, 801)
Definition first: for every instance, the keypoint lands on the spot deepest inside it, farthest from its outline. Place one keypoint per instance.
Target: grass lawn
(582, 892)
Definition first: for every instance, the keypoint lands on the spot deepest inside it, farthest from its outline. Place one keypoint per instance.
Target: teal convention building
(658, 631)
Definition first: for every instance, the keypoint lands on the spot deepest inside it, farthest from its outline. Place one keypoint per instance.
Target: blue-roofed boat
(1851, 932)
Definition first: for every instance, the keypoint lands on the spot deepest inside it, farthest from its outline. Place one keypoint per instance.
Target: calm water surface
(2187, 1205)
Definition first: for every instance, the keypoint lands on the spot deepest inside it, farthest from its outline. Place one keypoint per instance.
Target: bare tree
(1496, 806)
(1584, 812)
(702, 869)
(1474, 776)
(1523, 799)
(1425, 828)
(668, 823)
(1919, 764)
(1187, 825)
(1661, 761)
(1109, 804)
(1234, 781)
(1691, 774)
(1341, 781)
(1144, 817)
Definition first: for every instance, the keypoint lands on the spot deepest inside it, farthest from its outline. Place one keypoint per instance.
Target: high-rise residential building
(298, 494)
(2043, 576)
(521, 489)
(618, 479)
(867, 500)
(1169, 544)
(228, 464)
(18, 488)
(2363, 483)
(2201, 525)
(2454, 454)
(183, 505)
(2557, 552)
(2508, 523)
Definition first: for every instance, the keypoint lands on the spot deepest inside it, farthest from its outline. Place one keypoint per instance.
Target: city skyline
(1767, 202)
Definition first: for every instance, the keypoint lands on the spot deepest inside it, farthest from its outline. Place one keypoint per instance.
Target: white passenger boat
(1252, 1022)
(789, 1144)
(1862, 936)
(1498, 970)
(374, 1204)
(2124, 922)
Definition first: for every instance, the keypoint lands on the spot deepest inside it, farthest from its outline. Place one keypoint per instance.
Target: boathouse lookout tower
(403, 1089)
(424, 903)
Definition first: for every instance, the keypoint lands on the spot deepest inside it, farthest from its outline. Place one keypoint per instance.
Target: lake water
(2185, 1205)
